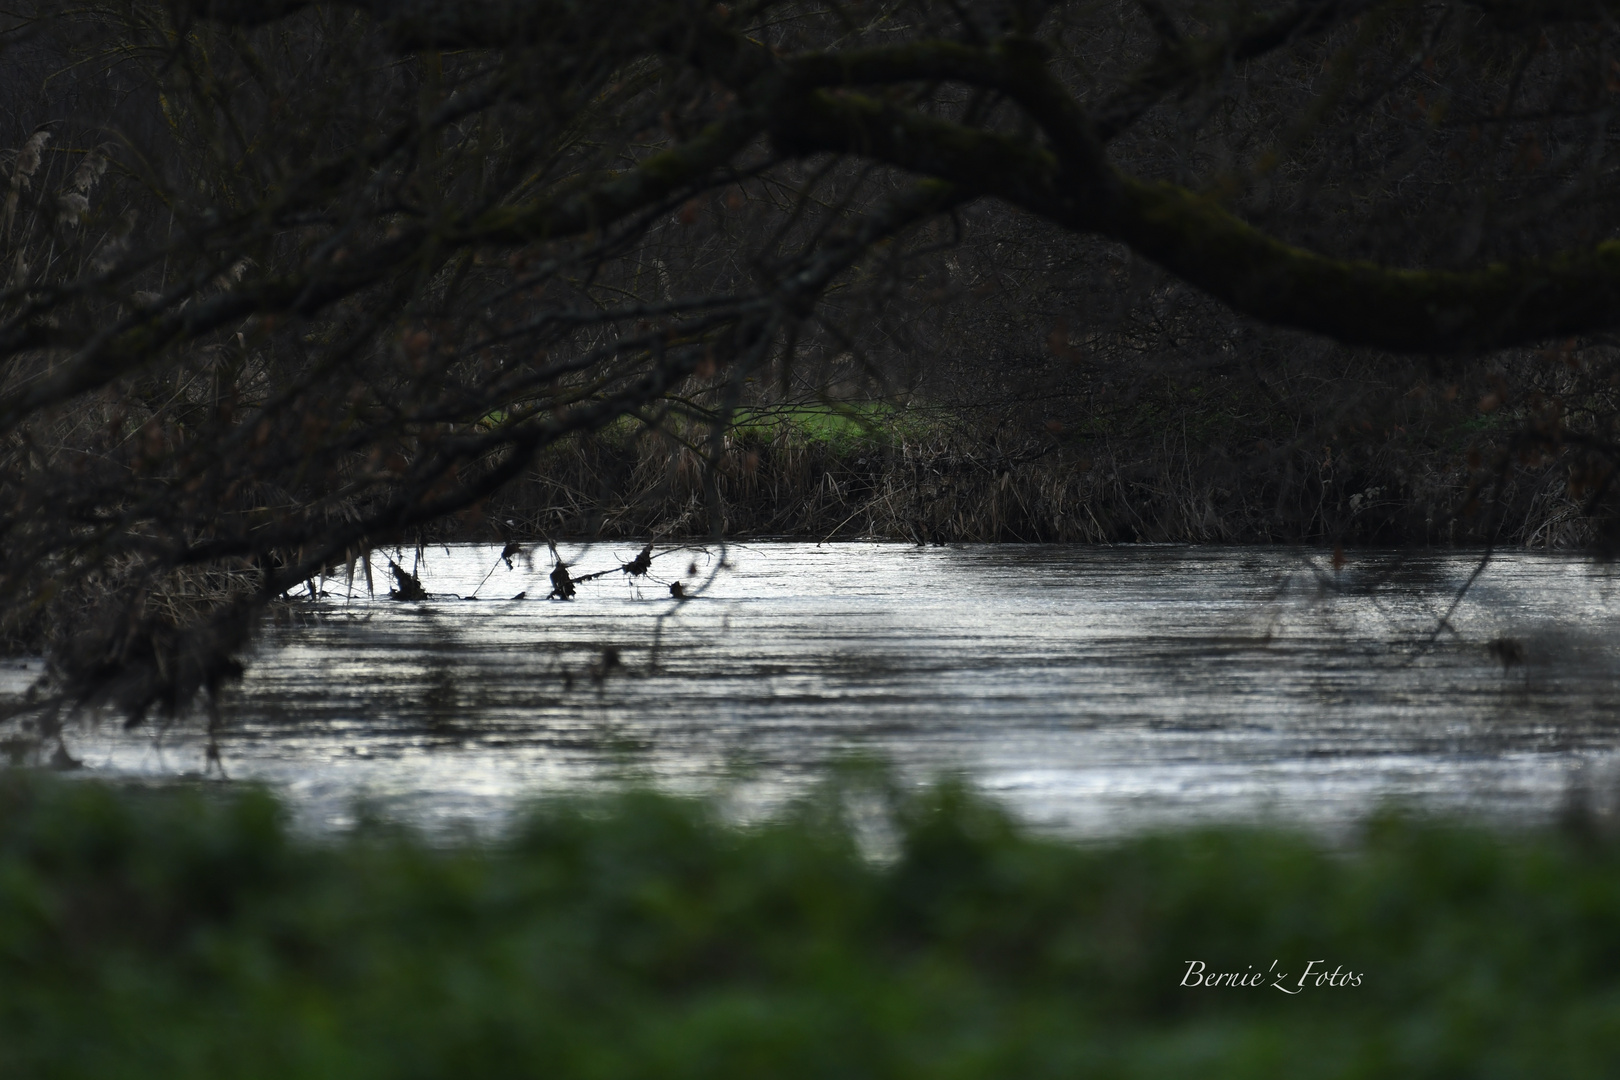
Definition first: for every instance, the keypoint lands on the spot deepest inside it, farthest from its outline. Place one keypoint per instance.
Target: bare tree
(286, 280)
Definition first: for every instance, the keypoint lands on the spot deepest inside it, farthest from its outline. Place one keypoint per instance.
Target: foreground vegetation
(183, 932)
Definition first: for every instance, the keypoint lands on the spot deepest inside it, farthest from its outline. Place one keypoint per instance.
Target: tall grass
(933, 476)
(186, 933)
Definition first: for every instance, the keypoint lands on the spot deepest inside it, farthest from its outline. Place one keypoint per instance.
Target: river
(1093, 690)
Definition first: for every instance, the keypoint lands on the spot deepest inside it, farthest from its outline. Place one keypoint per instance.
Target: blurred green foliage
(186, 933)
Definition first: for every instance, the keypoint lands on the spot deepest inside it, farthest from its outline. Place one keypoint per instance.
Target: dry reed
(958, 486)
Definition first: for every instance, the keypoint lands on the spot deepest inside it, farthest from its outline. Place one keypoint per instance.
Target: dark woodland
(284, 282)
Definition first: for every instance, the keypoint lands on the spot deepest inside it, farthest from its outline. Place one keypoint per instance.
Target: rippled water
(1092, 689)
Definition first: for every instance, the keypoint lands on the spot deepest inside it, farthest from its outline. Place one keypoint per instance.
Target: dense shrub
(179, 933)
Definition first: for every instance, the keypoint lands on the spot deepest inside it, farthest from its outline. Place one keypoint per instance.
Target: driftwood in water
(408, 587)
(640, 564)
(562, 585)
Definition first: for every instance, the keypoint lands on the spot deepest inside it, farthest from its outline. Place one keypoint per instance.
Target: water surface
(1093, 690)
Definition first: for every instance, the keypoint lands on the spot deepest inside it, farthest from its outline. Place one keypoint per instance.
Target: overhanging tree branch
(1192, 236)
(1355, 302)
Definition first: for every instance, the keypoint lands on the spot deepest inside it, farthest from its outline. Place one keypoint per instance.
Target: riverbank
(1187, 471)
(184, 932)
(937, 475)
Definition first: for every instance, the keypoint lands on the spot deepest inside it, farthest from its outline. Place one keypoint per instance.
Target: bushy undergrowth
(184, 933)
(1167, 473)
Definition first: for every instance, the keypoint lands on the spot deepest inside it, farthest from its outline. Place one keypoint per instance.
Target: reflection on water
(1092, 689)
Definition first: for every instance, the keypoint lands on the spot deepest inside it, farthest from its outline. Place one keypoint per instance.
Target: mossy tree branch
(1194, 237)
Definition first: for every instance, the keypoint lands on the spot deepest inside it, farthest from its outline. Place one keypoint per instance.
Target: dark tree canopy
(287, 280)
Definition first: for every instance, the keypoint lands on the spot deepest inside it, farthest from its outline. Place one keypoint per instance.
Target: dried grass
(959, 485)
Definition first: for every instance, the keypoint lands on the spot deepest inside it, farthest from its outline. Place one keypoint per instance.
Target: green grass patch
(841, 425)
(185, 933)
